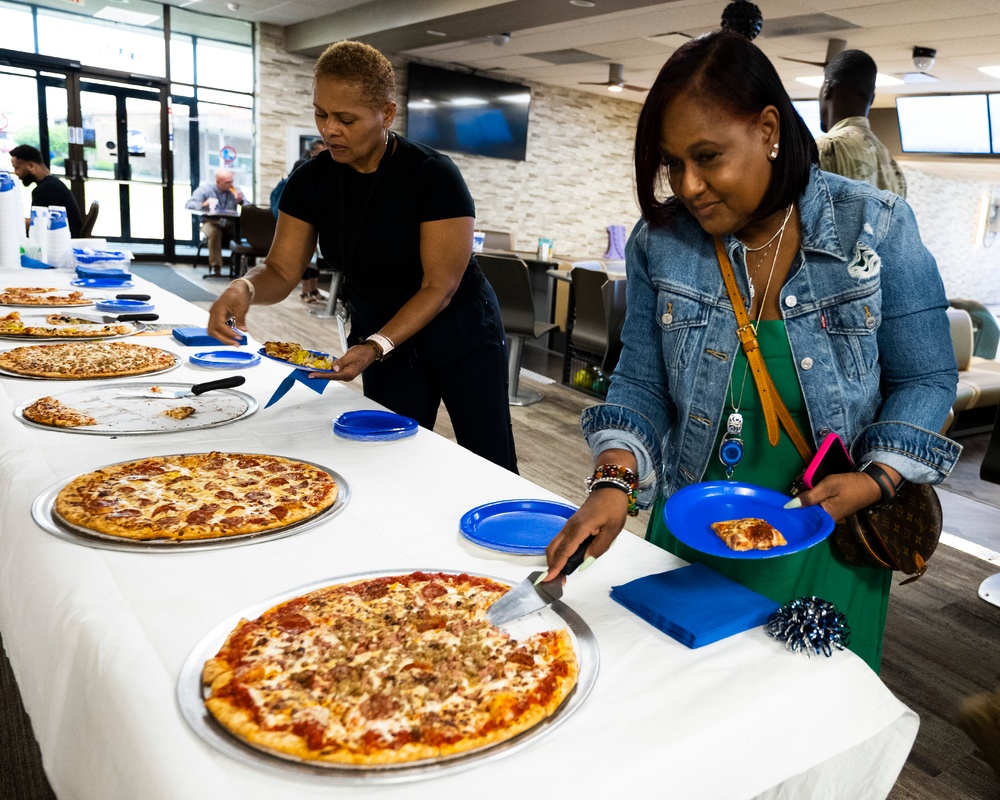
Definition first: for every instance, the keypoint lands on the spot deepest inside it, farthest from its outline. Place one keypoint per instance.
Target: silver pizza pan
(43, 512)
(7, 373)
(121, 415)
(39, 321)
(191, 695)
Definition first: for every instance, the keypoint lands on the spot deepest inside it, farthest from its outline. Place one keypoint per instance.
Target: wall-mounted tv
(955, 123)
(456, 112)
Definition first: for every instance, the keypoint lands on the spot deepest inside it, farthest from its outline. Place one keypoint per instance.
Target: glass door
(123, 152)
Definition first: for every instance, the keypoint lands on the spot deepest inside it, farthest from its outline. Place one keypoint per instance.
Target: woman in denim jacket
(848, 308)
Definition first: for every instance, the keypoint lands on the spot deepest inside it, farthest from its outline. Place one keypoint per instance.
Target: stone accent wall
(947, 213)
(576, 180)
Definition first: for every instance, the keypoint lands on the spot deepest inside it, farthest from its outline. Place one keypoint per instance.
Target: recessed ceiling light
(993, 72)
(614, 88)
(812, 80)
(887, 80)
(923, 77)
(582, 3)
(437, 33)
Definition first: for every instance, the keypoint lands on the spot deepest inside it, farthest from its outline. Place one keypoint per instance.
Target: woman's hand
(350, 365)
(841, 494)
(602, 515)
(232, 304)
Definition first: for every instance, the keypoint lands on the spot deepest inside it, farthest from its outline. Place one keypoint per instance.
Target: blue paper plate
(297, 366)
(124, 306)
(515, 526)
(102, 283)
(690, 512)
(225, 359)
(374, 426)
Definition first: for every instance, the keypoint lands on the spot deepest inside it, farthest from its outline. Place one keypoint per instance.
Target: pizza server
(528, 597)
(198, 388)
(146, 317)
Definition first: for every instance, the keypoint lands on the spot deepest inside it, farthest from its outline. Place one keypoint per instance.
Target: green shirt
(850, 149)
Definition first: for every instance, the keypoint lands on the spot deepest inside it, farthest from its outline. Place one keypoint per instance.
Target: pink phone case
(832, 449)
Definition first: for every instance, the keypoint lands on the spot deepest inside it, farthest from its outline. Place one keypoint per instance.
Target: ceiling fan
(833, 48)
(616, 80)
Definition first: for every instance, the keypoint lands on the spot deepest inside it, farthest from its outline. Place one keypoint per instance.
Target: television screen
(956, 123)
(461, 113)
(809, 111)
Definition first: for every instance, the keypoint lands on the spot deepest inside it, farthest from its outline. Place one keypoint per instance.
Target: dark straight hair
(725, 69)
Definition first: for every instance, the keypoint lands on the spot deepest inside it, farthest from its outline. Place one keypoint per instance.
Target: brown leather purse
(899, 535)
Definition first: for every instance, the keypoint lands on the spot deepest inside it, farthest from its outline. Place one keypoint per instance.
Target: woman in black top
(397, 219)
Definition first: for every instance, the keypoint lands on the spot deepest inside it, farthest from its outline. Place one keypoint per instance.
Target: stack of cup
(38, 232)
(59, 251)
(11, 222)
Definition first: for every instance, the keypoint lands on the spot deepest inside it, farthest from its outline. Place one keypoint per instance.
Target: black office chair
(597, 317)
(985, 329)
(512, 284)
(89, 219)
(257, 227)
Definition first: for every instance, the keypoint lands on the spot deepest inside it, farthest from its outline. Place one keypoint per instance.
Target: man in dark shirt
(49, 190)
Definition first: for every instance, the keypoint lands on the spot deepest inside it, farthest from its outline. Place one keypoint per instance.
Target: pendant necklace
(731, 448)
(777, 234)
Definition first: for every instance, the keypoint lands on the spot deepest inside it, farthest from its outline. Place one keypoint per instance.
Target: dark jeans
(472, 381)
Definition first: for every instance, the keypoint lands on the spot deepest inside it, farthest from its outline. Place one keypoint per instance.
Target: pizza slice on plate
(749, 533)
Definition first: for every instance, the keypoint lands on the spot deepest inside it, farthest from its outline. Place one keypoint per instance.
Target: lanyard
(345, 248)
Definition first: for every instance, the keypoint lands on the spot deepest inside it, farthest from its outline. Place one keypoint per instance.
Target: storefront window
(17, 31)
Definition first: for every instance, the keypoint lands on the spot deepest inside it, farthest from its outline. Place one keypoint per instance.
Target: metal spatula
(526, 597)
(198, 388)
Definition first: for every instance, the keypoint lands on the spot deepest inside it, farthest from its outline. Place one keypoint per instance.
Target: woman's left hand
(350, 365)
(842, 494)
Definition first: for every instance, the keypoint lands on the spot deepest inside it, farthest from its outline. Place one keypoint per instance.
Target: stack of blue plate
(524, 527)
(225, 359)
(125, 306)
(103, 283)
(374, 426)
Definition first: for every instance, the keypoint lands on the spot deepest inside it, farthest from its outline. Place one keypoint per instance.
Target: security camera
(923, 58)
(500, 39)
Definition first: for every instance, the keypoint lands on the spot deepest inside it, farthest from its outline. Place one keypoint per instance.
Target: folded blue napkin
(694, 604)
(105, 274)
(34, 263)
(318, 385)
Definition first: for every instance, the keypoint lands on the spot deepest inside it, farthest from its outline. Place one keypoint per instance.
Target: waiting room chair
(89, 219)
(598, 314)
(985, 328)
(510, 280)
(257, 227)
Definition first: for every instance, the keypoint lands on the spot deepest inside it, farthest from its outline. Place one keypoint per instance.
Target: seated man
(49, 190)
(213, 198)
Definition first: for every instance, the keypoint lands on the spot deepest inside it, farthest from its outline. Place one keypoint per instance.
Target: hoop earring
(774, 152)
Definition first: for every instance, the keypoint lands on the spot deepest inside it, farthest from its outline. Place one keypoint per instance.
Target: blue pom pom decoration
(810, 625)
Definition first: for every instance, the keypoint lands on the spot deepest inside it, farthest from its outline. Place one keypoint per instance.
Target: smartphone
(831, 458)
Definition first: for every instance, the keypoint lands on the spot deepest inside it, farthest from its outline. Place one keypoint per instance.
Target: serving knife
(197, 389)
(98, 319)
(527, 598)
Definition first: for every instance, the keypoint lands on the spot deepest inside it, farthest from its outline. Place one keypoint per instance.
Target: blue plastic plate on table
(124, 306)
(297, 366)
(690, 512)
(374, 426)
(225, 359)
(102, 283)
(515, 526)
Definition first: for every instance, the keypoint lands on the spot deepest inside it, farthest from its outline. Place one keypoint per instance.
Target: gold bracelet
(250, 287)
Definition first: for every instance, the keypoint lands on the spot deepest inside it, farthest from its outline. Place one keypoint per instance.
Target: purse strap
(775, 411)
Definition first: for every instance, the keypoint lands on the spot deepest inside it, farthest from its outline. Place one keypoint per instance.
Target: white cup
(213, 203)
(478, 239)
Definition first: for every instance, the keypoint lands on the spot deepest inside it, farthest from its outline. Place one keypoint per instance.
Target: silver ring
(231, 322)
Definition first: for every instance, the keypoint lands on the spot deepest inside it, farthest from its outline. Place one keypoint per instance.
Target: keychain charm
(731, 448)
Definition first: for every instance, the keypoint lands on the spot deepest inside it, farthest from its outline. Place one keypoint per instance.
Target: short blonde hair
(362, 64)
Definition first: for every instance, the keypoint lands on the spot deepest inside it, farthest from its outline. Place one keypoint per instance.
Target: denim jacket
(864, 310)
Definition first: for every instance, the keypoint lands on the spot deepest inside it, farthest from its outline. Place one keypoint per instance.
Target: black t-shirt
(50, 191)
(380, 214)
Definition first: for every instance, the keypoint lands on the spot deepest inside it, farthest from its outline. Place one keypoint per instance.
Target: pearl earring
(774, 152)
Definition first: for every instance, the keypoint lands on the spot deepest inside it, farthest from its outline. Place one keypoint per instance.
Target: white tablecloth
(97, 638)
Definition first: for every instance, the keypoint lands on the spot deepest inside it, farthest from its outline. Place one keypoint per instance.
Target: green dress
(861, 593)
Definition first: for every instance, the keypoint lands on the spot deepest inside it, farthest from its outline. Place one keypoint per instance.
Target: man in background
(214, 198)
(849, 147)
(49, 190)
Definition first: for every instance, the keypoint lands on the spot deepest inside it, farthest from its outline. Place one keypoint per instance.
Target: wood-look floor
(942, 642)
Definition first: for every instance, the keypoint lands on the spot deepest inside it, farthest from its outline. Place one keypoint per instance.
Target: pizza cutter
(527, 597)
(197, 389)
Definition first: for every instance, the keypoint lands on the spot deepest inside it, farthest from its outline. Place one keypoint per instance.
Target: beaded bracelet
(621, 478)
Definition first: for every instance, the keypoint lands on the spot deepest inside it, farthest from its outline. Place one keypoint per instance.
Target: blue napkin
(694, 604)
(318, 385)
(106, 274)
(34, 263)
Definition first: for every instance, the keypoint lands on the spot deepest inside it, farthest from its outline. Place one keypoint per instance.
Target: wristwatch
(885, 483)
